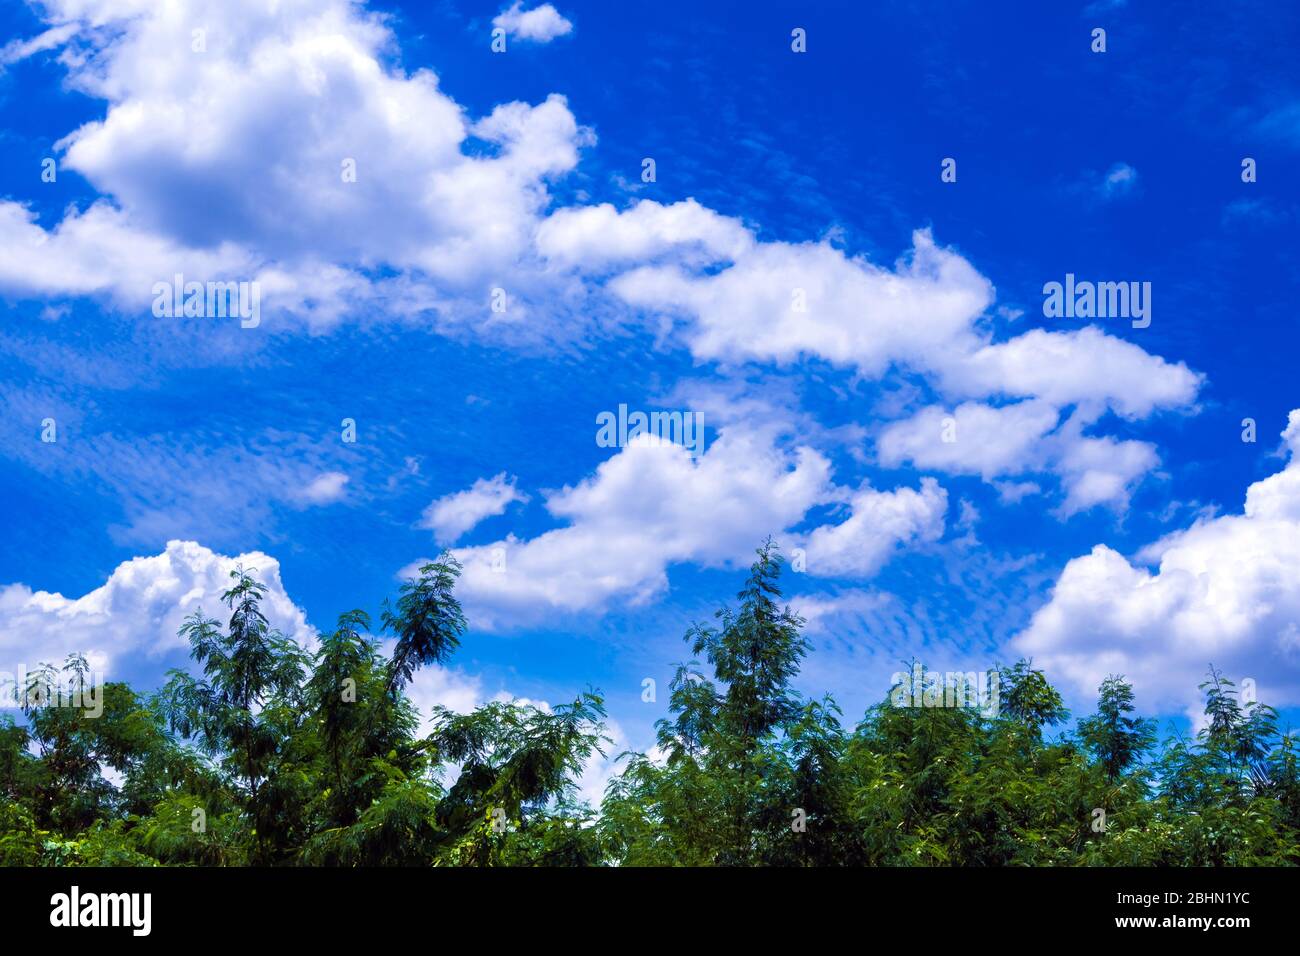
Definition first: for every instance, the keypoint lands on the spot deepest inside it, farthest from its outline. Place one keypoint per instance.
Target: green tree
(1117, 740)
(246, 704)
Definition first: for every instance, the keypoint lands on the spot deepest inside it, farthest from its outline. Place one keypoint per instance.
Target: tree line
(263, 754)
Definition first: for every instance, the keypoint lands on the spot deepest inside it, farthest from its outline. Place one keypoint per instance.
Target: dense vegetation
(267, 755)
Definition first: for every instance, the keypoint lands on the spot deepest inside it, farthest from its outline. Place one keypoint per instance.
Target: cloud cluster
(1224, 591)
(380, 188)
(877, 524)
(1022, 438)
(652, 505)
(137, 611)
(373, 168)
(281, 142)
(270, 141)
(741, 300)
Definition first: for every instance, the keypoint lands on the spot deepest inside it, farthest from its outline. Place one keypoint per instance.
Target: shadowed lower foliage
(270, 755)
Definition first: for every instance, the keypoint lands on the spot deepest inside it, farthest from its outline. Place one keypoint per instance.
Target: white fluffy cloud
(313, 158)
(100, 251)
(1224, 591)
(435, 686)
(137, 611)
(541, 24)
(369, 168)
(878, 523)
(647, 506)
(318, 163)
(973, 438)
(453, 515)
(596, 237)
(1085, 366)
(652, 505)
(781, 301)
(742, 300)
(1018, 439)
(321, 166)
(1097, 471)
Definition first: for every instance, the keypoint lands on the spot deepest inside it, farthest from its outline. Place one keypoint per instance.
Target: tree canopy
(265, 753)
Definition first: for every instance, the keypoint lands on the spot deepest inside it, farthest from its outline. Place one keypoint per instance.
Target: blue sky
(1089, 512)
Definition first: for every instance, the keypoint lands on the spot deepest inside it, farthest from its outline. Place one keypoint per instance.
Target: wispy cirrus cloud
(1120, 180)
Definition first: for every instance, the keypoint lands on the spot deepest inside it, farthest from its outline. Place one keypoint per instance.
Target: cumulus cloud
(1225, 590)
(1018, 439)
(369, 168)
(1085, 366)
(783, 301)
(540, 24)
(740, 300)
(878, 523)
(646, 507)
(453, 515)
(652, 505)
(780, 302)
(973, 438)
(373, 171)
(99, 250)
(385, 193)
(1097, 471)
(595, 237)
(138, 610)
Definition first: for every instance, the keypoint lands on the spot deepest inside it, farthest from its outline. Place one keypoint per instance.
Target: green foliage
(270, 755)
(1116, 740)
(1029, 699)
(20, 840)
(428, 620)
(749, 774)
